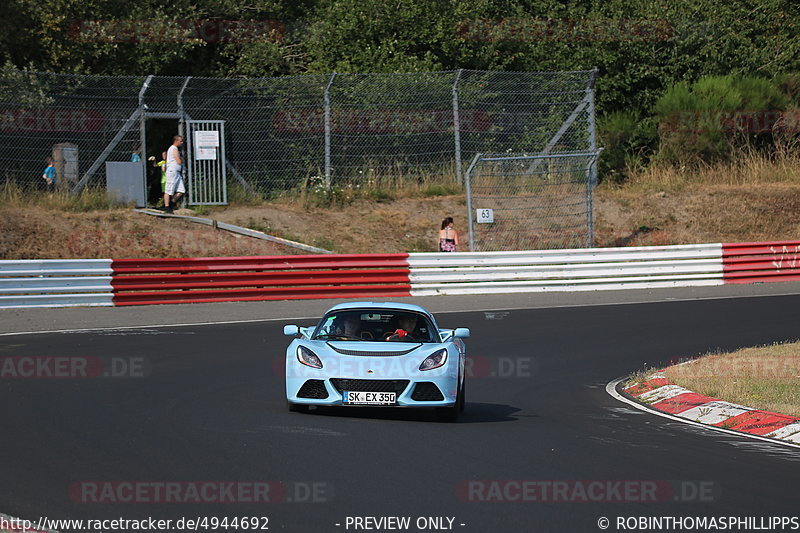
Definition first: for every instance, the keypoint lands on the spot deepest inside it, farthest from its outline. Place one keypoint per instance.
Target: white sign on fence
(485, 216)
(205, 144)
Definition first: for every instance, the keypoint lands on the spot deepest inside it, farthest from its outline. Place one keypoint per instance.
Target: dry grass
(766, 377)
(313, 193)
(364, 226)
(754, 198)
(89, 199)
(37, 233)
(34, 232)
(640, 376)
(746, 168)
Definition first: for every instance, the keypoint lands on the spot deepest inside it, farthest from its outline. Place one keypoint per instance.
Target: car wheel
(450, 414)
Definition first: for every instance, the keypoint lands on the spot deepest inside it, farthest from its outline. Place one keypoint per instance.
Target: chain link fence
(281, 131)
(293, 134)
(40, 111)
(523, 202)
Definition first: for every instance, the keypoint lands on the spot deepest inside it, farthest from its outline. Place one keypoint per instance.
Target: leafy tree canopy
(641, 48)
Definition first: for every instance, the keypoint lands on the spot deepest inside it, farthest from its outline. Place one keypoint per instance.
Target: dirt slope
(623, 217)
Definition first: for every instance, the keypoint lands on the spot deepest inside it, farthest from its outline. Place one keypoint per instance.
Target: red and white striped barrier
(226, 279)
(756, 262)
(105, 282)
(669, 398)
(586, 269)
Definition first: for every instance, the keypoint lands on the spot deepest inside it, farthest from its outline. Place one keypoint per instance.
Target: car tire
(450, 414)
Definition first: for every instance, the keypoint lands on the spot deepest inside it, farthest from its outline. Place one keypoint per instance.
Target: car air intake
(425, 391)
(313, 388)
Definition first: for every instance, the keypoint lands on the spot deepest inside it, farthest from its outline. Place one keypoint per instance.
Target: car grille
(425, 391)
(370, 385)
(373, 353)
(313, 388)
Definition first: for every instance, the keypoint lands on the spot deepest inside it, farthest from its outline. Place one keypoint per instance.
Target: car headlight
(434, 360)
(308, 358)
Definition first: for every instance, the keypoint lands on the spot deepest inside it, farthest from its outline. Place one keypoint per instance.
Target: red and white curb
(658, 396)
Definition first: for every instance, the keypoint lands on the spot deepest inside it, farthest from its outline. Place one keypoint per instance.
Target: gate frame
(220, 161)
(594, 155)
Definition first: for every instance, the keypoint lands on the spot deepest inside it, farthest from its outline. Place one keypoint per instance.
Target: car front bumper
(431, 388)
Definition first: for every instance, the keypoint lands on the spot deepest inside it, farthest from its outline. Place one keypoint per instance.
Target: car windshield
(376, 325)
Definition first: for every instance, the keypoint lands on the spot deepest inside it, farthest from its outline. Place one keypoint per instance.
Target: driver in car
(405, 333)
(348, 326)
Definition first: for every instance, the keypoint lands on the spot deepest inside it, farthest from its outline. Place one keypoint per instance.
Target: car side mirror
(291, 330)
(461, 333)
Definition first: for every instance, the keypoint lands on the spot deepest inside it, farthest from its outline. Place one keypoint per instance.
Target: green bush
(709, 118)
(441, 190)
(626, 139)
(239, 195)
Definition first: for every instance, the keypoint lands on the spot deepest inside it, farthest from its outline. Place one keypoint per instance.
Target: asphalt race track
(205, 403)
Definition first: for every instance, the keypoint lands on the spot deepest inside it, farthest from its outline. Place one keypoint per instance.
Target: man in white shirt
(174, 187)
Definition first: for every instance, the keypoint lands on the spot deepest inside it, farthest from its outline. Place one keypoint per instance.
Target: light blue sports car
(377, 354)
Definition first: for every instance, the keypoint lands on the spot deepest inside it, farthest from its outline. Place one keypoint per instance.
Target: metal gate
(205, 169)
(524, 202)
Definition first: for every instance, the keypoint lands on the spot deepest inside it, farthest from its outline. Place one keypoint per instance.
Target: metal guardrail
(103, 282)
(566, 270)
(758, 262)
(55, 283)
(220, 279)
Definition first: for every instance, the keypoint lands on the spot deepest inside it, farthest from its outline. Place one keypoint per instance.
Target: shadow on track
(474, 413)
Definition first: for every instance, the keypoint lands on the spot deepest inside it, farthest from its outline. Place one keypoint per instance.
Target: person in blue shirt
(49, 174)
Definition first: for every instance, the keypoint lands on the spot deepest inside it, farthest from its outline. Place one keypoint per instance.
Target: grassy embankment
(754, 198)
(764, 377)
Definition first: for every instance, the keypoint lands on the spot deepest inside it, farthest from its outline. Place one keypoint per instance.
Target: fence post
(457, 127)
(590, 205)
(181, 112)
(468, 187)
(143, 146)
(592, 121)
(591, 175)
(328, 131)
